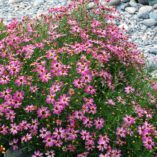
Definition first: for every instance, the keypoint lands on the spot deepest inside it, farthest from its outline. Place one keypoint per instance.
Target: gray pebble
(149, 22)
(131, 10)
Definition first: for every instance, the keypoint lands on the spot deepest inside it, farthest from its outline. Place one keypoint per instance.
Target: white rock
(38, 2)
(153, 15)
(149, 22)
(133, 3)
(130, 10)
(90, 5)
(151, 63)
(144, 10)
(124, 26)
(155, 6)
(154, 74)
(14, 1)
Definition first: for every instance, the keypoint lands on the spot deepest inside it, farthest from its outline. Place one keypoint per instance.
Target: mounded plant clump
(72, 85)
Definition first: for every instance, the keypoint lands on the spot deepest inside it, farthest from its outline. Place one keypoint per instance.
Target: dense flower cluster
(69, 86)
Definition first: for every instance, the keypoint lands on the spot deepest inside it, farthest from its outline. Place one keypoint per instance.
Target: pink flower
(4, 79)
(6, 94)
(10, 115)
(28, 51)
(34, 124)
(85, 135)
(45, 77)
(89, 145)
(64, 99)
(51, 54)
(14, 129)
(71, 134)
(79, 115)
(4, 129)
(148, 143)
(87, 78)
(111, 102)
(49, 141)
(121, 132)
(113, 153)
(129, 89)
(21, 80)
(50, 153)
(95, 24)
(43, 112)
(26, 138)
(14, 67)
(44, 133)
(85, 154)
(90, 90)
(18, 95)
(59, 133)
(103, 143)
(33, 89)
(99, 123)
(24, 125)
(71, 148)
(58, 108)
(37, 154)
(129, 120)
(30, 108)
(50, 98)
(87, 122)
(78, 83)
(154, 86)
(56, 87)
(14, 143)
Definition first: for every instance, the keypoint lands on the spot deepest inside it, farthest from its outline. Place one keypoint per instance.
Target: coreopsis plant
(72, 85)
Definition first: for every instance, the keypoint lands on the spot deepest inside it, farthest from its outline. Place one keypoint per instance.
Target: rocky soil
(140, 23)
(19, 8)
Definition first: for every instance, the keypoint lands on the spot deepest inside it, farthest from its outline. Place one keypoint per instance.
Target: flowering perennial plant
(71, 84)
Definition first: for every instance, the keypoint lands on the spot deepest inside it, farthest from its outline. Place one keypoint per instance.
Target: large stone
(149, 22)
(131, 10)
(17, 153)
(14, 1)
(144, 11)
(153, 15)
(155, 6)
(38, 2)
